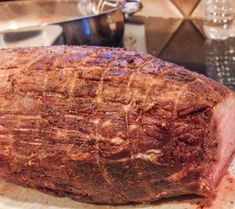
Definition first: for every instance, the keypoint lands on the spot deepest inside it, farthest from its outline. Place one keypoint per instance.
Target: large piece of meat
(111, 126)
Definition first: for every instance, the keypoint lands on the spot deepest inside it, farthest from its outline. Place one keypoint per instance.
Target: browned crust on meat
(105, 125)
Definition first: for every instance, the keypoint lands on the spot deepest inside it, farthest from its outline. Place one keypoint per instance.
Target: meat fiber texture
(111, 126)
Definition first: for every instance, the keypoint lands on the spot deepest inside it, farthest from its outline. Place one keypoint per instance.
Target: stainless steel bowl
(81, 23)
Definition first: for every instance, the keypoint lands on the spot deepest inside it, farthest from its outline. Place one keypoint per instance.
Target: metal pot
(83, 21)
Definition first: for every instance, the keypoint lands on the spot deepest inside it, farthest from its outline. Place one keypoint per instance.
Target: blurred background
(197, 34)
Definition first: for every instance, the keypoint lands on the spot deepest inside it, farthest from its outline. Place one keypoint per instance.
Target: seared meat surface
(111, 126)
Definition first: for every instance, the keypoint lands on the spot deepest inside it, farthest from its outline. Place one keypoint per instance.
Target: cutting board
(15, 197)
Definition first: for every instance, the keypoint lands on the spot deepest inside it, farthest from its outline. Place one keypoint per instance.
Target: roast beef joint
(111, 126)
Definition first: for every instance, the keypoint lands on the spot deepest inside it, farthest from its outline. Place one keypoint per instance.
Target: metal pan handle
(128, 6)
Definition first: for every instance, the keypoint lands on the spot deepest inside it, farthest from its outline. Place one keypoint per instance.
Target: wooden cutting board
(15, 197)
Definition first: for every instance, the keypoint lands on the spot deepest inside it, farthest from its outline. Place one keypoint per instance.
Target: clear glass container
(218, 18)
(220, 61)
